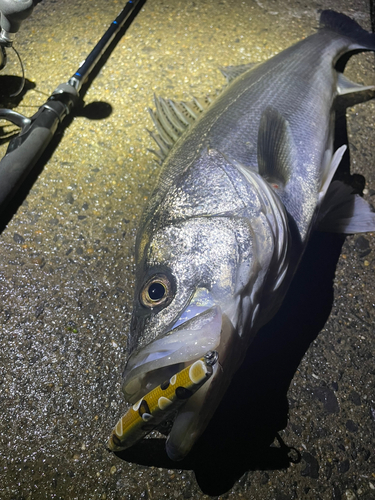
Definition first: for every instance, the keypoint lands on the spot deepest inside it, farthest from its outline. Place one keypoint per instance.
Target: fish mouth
(209, 330)
(164, 357)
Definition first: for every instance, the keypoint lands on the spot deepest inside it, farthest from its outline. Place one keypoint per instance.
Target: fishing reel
(12, 14)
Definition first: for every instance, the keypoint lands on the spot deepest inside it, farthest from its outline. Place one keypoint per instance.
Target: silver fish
(244, 181)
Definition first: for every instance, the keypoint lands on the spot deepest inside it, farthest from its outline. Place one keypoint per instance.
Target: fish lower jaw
(158, 361)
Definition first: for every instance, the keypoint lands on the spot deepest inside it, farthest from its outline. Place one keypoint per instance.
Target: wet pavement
(299, 419)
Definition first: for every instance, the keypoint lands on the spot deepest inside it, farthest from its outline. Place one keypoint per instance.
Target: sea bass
(243, 182)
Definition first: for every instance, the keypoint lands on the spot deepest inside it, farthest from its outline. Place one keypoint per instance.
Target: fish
(243, 182)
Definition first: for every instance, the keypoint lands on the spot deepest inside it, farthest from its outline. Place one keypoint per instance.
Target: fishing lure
(159, 404)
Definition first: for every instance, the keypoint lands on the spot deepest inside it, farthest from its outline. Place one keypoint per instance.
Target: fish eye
(156, 291)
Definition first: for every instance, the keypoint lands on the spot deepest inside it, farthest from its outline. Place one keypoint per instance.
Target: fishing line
(23, 74)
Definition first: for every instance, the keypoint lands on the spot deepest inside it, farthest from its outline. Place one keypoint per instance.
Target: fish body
(241, 188)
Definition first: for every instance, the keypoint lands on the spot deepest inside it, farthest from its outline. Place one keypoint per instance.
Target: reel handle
(13, 13)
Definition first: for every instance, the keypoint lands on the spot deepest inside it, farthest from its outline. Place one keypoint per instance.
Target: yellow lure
(156, 406)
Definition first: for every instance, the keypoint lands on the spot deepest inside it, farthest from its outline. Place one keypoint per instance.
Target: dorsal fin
(276, 150)
(232, 72)
(171, 119)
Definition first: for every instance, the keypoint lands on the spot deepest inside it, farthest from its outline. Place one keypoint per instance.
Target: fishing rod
(36, 132)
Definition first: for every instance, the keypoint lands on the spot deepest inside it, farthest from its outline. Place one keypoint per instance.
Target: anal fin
(330, 165)
(345, 212)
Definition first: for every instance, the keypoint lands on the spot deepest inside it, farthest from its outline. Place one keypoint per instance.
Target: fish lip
(166, 355)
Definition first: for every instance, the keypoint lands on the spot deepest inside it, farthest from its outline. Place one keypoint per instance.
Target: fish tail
(343, 25)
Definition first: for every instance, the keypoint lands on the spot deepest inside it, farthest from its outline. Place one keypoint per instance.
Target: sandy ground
(299, 419)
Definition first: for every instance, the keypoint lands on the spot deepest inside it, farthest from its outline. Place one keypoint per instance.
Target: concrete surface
(298, 421)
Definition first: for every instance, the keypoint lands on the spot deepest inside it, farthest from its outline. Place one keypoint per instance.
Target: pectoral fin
(276, 150)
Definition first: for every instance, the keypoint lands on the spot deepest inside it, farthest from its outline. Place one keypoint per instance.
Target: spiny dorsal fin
(232, 72)
(171, 119)
(276, 150)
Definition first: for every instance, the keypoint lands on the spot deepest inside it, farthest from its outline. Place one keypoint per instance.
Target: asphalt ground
(298, 421)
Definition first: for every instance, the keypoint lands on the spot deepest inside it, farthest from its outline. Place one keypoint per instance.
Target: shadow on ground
(13, 90)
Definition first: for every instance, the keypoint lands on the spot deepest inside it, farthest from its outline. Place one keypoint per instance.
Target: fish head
(198, 289)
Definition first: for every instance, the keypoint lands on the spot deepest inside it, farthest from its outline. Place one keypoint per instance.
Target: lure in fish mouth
(243, 183)
(161, 403)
